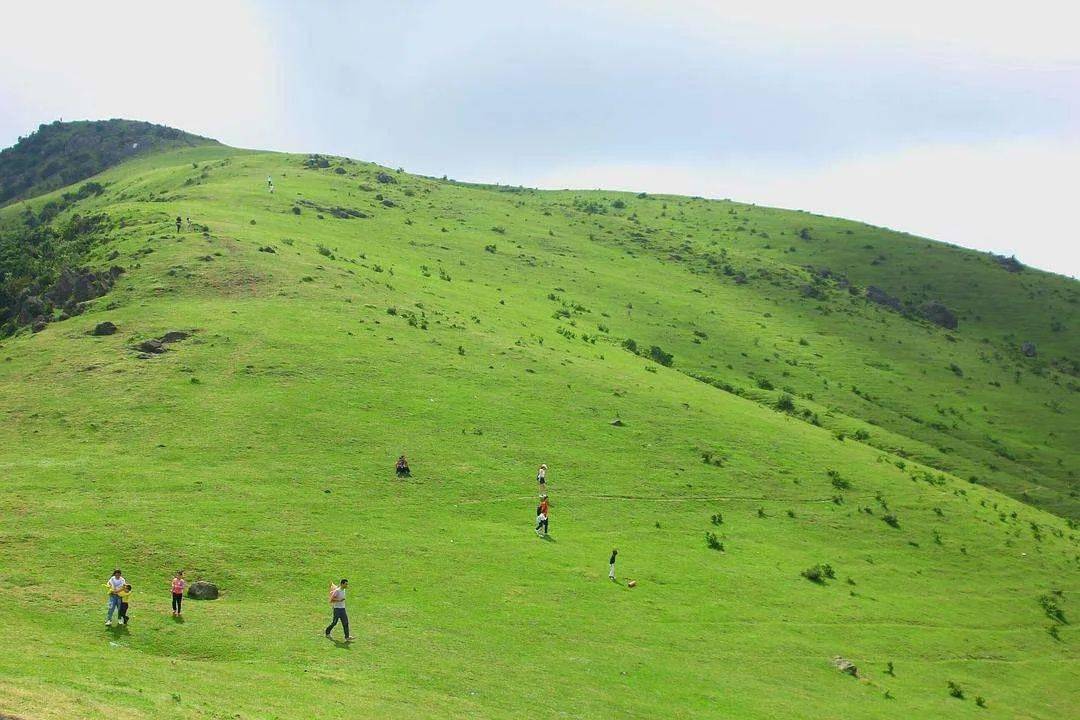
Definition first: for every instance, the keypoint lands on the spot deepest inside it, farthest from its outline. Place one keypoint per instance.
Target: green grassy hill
(357, 313)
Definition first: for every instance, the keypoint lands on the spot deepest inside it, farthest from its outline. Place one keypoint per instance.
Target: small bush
(838, 482)
(296, 210)
(819, 573)
(861, 435)
(891, 520)
(658, 354)
(713, 542)
(618, 204)
(490, 248)
(386, 178)
(764, 384)
(1052, 609)
(717, 519)
(325, 251)
(630, 344)
(786, 403)
(499, 229)
(956, 691)
(889, 669)
(980, 701)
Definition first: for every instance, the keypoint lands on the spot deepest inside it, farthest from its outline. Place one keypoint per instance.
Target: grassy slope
(218, 457)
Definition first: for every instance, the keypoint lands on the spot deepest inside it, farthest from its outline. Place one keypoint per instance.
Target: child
(541, 478)
(178, 585)
(124, 594)
(611, 565)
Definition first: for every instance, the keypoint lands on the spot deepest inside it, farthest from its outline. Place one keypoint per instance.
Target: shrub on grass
(1052, 609)
(717, 519)
(712, 458)
(490, 248)
(658, 354)
(838, 482)
(295, 210)
(861, 435)
(713, 542)
(386, 178)
(956, 691)
(819, 573)
(764, 384)
(785, 404)
(891, 520)
(980, 701)
(618, 204)
(499, 229)
(325, 251)
(630, 344)
(889, 669)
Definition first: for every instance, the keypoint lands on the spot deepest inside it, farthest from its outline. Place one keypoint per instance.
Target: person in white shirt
(541, 478)
(115, 584)
(337, 603)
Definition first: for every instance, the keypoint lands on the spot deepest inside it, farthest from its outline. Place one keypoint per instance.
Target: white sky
(955, 120)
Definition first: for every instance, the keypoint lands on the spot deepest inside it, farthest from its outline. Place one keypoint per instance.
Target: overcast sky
(954, 120)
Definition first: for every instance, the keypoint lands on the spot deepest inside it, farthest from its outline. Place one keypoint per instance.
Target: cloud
(1011, 197)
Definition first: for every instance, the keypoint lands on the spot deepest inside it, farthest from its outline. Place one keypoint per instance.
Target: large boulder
(938, 314)
(1028, 349)
(202, 590)
(386, 178)
(154, 347)
(104, 328)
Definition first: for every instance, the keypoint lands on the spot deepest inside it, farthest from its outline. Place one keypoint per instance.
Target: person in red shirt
(178, 585)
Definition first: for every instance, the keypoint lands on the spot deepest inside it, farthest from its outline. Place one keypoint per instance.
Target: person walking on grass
(113, 586)
(125, 599)
(611, 565)
(337, 603)
(178, 585)
(541, 479)
(542, 517)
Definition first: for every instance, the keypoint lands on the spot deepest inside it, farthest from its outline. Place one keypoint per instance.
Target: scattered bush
(386, 178)
(891, 520)
(764, 384)
(296, 210)
(980, 701)
(717, 519)
(786, 403)
(713, 542)
(819, 573)
(838, 482)
(956, 691)
(658, 355)
(490, 248)
(618, 204)
(325, 251)
(630, 344)
(1052, 609)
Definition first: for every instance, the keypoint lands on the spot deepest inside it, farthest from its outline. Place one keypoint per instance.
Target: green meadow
(770, 418)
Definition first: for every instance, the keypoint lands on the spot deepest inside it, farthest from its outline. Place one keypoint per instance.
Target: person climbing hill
(178, 221)
(401, 468)
(337, 604)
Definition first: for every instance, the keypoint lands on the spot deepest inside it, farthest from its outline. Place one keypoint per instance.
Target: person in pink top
(178, 585)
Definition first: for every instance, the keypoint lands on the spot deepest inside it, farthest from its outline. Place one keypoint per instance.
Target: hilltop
(808, 438)
(62, 153)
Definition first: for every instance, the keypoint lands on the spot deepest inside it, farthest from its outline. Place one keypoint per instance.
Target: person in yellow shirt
(125, 594)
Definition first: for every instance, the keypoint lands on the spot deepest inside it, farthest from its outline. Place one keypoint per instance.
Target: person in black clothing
(401, 467)
(124, 605)
(178, 223)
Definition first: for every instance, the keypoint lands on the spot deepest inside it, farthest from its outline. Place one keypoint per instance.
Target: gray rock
(202, 590)
(879, 296)
(103, 328)
(617, 422)
(153, 347)
(174, 336)
(938, 314)
(1028, 349)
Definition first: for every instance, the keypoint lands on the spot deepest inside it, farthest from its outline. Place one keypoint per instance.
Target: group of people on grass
(119, 591)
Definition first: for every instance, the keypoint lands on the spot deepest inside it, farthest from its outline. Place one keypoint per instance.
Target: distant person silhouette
(178, 223)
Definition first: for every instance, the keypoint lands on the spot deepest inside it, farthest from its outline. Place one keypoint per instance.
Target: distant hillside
(839, 463)
(62, 153)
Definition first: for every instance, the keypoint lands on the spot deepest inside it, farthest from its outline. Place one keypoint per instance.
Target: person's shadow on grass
(340, 644)
(118, 630)
(178, 619)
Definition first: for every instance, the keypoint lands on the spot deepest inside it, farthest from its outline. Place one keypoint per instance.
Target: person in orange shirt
(542, 517)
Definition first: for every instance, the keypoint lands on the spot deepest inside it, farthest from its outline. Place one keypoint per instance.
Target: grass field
(481, 330)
